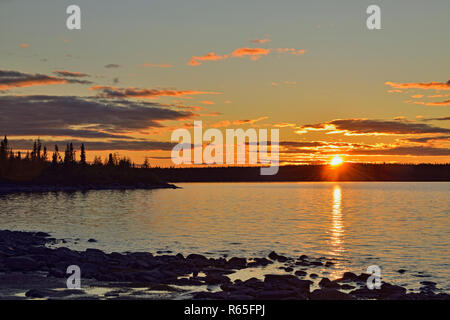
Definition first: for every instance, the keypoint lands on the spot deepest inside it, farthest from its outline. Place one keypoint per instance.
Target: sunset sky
(137, 70)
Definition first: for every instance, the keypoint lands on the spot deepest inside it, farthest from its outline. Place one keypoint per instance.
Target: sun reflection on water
(337, 229)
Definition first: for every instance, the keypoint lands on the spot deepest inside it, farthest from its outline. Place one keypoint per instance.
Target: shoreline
(29, 269)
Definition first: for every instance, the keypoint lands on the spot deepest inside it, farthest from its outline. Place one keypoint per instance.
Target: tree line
(65, 167)
(40, 153)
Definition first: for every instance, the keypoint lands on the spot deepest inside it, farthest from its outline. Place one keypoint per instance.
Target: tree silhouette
(82, 155)
(55, 156)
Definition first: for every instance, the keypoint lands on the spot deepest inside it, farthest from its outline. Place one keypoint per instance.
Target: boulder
(21, 263)
(330, 294)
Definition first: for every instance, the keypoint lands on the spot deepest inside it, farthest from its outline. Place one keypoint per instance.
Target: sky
(138, 70)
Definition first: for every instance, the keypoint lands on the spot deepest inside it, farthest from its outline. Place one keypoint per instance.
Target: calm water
(394, 225)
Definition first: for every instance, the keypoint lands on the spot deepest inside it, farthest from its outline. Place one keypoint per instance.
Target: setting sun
(337, 160)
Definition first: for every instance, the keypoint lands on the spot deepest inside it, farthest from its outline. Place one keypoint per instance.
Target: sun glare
(337, 160)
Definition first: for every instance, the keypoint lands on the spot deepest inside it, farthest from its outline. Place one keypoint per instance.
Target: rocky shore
(31, 268)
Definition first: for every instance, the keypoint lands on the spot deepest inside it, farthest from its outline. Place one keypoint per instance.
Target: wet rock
(316, 263)
(216, 279)
(303, 257)
(330, 294)
(391, 290)
(57, 273)
(363, 277)
(180, 256)
(287, 281)
(302, 263)
(348, 276)
(401, 271)
(276, 257)
(259, 262)
(21, 263)
(313, 276)
(329, 264)
(197, 260)
(187, 282)
(347, 286)
(327, 283)
(237, 263)
(288, 269)
(39, 293)
(300, 273)
(386, 292)
(164, 287)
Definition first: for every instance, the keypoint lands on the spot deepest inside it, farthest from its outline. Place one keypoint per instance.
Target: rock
(180, 256)
(237, 263)
(390, 289)
(401, 271)
(366, 293)
(329, 294)
(428, 283)
(39, 293)
(300, 273)
(316, 263)
(259, 262)
(348, 276)
(197, 260)
(303, 257)
(274, 256)
(92, 240)
(347, 286)
(313, 276)
(387, 291)
(287, 281)
(216, 279)
(21, 263)
(327, 283)
(57, 273)
(363, 277)
(288, 269)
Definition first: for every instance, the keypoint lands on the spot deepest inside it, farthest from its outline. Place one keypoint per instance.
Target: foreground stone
(26, 260)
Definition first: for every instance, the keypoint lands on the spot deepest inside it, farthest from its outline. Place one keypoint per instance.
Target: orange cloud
(15, 79)
(420, 85)
(291, 51)
(24, 45)
(254, 53)
(372, 127)
(113, 92)
(249, 121)
(224, 123)
(441, 103)
(207, 102)
(149, 65)
(259, 41)
(66, 73)
(211, 56)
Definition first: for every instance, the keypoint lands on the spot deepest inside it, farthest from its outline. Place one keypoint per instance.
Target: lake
(395, 225)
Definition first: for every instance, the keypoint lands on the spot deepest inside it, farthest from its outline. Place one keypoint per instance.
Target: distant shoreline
(311, 173)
